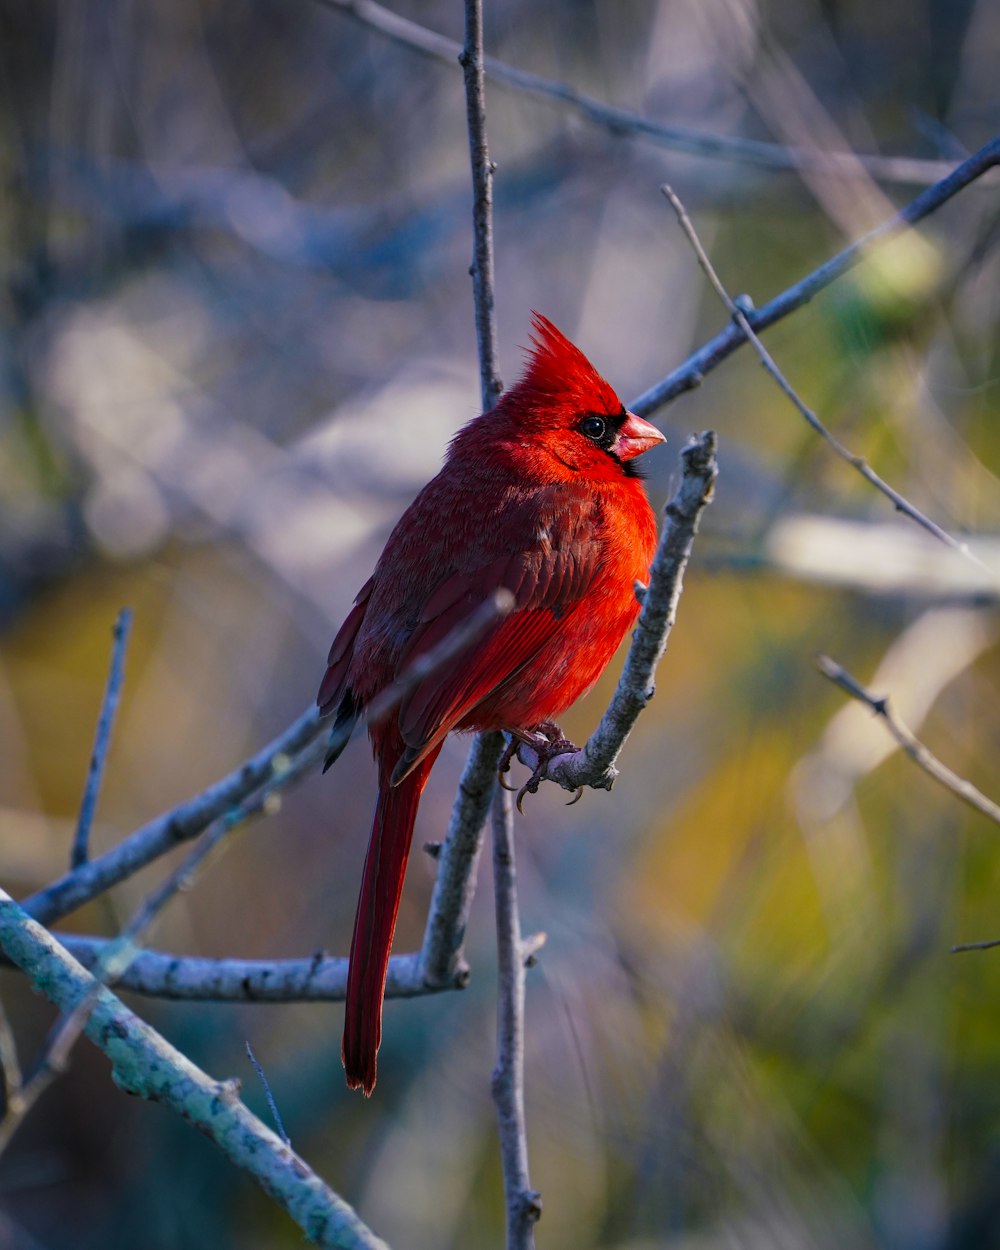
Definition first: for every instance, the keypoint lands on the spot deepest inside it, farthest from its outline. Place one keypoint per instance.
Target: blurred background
(237, 335)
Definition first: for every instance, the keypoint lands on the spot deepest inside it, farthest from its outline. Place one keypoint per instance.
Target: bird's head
(564, 405)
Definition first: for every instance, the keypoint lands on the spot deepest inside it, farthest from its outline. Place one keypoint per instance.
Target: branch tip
(907, 741)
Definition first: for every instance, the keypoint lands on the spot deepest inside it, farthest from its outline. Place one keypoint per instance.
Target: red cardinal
(541, 496)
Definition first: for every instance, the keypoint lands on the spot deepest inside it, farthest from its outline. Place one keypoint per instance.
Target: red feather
(375, 921)
(538, 496)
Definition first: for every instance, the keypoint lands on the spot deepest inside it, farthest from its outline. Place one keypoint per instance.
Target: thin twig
(738, 312)
(320, 978)
(523, 1204)
(992, 944)
(915, 749)
(619, 121)
(143, 1063)
(692, 372)
(271, 1104)
(102, 739)
(471, 59)
(436, 967)
(594, 763)
(10, 1067)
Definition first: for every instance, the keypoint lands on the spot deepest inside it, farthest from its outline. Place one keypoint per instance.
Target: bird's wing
(548, 563)
(334, 682)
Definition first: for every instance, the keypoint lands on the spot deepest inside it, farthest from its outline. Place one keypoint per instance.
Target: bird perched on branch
(539, 496)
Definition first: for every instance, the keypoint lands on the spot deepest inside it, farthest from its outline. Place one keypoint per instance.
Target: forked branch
(910, 744)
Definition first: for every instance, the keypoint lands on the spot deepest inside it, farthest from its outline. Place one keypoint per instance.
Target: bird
(541, 497)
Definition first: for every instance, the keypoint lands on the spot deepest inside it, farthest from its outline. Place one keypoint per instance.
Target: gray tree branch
(317, 978)
(143, 1063)
(508, 1083)
(483, 296)
(440, 961)
(524, 1204)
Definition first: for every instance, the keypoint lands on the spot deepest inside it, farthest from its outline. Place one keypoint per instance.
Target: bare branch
(143, 1063)
(915, 749)
(471, 58)
(738, 312)
(455, 884)
(437, 966)
(524, 1204)
(319, 978)
(899, 559)
(619, 121)
(692, 372)
(102, 739)
(115, 956)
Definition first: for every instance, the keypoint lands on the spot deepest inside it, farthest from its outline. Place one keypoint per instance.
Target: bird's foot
(547, 741)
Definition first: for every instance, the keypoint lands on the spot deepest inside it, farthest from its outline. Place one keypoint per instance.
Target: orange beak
(635, 437)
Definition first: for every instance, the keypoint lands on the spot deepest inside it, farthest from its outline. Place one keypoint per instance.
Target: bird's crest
(556, 367)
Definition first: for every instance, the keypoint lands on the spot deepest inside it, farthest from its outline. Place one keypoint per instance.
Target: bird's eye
(593, 427)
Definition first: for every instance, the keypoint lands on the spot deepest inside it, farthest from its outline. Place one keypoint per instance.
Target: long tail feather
(375, 921)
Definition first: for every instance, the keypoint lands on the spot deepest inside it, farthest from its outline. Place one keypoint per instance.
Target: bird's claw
(529, 787)
(547, 741)
(509, 751)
